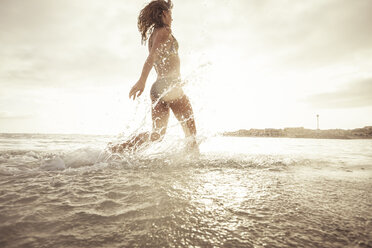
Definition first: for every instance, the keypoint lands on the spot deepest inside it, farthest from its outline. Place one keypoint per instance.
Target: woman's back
(167, 63)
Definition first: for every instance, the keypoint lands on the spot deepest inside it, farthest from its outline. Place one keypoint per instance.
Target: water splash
(141, 120)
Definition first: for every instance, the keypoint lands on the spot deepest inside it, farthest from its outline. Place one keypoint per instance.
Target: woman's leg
(160, 116)
(133, 143)
(183, 111)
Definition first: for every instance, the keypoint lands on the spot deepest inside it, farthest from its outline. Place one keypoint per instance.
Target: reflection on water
(240, 193)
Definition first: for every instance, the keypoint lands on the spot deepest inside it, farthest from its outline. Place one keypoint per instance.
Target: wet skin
(163, 56)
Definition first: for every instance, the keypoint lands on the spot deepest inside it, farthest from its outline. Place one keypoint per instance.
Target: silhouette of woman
(154, 23)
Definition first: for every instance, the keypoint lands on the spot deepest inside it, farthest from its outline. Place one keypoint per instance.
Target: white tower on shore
(317, 122)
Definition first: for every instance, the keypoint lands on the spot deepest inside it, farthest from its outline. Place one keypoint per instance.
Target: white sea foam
(53, 164)
(75, 154)
(239, 192)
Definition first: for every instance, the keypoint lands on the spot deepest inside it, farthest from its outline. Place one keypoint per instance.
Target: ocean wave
(216, 152)
(87, 158)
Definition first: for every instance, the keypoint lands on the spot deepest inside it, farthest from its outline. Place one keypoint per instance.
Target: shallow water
(62, 191)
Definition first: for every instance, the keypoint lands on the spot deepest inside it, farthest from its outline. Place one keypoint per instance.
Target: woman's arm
(160, 37)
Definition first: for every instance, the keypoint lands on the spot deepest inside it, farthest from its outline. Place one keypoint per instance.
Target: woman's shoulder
(162, 31)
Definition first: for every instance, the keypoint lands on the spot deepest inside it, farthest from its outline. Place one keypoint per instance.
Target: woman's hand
(137, 89)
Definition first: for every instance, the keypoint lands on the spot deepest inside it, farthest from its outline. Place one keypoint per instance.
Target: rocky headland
(300, 132)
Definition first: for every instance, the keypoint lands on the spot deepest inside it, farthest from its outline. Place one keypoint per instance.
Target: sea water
(67, 191)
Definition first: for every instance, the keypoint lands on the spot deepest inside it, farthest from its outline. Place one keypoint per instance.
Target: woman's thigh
(160, 116)
(183, 111)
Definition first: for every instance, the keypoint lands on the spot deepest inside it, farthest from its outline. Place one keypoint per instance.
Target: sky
(67, 66)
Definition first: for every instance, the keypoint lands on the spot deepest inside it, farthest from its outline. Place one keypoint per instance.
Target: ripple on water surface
(221, 199)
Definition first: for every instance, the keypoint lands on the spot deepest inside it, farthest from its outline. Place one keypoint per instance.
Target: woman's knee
(157, 136)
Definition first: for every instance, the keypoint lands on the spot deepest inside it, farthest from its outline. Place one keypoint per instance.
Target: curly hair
(150, 17)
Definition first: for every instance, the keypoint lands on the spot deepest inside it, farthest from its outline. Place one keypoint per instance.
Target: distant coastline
(300, 132)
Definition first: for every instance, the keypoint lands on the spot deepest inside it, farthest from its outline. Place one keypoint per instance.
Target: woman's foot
(131, 145)
(192, 147)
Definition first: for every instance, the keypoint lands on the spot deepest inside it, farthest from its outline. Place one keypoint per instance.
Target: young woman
(154, 23)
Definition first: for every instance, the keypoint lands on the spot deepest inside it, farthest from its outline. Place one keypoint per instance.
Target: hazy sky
(67, 66)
